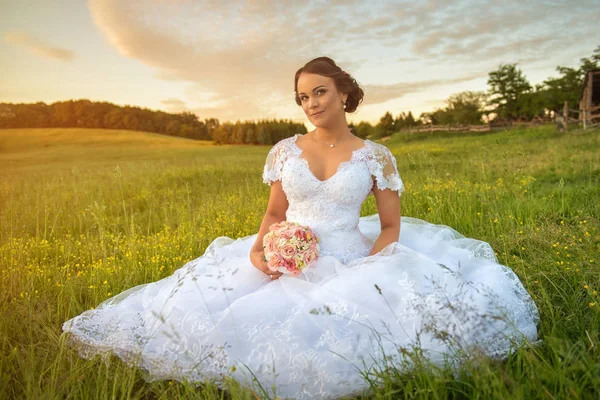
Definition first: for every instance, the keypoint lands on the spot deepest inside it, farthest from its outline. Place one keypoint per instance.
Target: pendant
(331, 145)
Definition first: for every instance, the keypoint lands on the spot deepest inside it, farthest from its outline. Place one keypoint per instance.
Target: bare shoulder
(358, 142)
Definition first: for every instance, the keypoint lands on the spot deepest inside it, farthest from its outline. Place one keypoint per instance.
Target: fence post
(566, 116)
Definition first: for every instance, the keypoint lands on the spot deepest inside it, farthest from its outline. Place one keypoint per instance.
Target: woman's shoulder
(286, 142)
(376, 150)
(284, 147)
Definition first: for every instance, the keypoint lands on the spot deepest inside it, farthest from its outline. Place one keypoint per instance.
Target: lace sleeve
(274, 163)
(383, 168)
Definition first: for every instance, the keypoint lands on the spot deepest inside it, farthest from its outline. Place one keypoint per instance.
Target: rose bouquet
(290, 247)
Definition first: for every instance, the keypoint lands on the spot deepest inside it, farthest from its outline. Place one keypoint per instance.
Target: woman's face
(320, 100)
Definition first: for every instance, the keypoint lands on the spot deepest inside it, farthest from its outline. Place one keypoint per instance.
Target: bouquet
(290, 247)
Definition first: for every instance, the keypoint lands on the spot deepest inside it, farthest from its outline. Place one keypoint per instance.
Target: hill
(31, 148)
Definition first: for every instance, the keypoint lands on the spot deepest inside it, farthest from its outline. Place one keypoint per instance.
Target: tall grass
(82, 220)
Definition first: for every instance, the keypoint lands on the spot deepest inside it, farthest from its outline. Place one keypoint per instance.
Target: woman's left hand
(257, 258)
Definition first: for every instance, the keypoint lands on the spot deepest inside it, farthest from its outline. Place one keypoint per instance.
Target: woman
(374, 294)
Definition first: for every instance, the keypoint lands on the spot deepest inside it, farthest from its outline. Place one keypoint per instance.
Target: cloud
(173, 102)
(239, 57)
(174, 105)
(382, 93)
(245, 67)
(471, 30)
(38, 47)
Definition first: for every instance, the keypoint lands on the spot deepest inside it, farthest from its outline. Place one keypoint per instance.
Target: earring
(344, 106)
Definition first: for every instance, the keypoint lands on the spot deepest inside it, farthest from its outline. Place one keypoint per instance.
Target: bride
(379, 293)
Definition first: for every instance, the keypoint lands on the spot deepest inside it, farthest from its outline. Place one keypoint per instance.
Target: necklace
(314, 136)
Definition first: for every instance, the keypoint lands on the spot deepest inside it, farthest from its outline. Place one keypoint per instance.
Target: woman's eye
(318, 92)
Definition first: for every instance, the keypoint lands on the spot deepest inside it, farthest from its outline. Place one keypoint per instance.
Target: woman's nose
(312, 103)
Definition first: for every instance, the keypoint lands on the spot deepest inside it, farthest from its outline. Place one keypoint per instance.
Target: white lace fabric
(310, 199)
(218, 316)
(379, 160)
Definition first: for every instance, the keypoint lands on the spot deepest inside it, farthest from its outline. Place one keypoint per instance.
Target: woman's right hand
(257, 258)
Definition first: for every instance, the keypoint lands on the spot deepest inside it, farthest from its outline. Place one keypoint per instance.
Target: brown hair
(344, 83)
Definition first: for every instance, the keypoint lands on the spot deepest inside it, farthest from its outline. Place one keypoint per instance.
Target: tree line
(510, 97)
(103, 115)
(261, 132)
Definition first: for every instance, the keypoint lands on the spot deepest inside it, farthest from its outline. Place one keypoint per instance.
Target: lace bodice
(332, 207)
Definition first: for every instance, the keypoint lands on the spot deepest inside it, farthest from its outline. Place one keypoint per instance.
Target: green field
(86, 214)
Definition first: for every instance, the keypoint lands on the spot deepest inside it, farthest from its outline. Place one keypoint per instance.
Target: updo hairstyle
(344, 83)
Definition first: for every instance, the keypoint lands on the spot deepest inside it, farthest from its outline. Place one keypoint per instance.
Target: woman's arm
(388, 206)
(276, 209)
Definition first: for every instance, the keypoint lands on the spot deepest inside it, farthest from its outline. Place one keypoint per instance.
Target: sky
(236, 60)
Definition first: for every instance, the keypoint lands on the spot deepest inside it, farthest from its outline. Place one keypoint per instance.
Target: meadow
(86, 214)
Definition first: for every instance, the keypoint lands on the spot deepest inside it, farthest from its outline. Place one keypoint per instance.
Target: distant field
(61, 147)
(86, 214)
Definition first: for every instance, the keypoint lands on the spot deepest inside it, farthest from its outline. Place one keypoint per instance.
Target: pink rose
(270, 247)
(288, 251)
(310, 256)
(290, 265)
(287, 233)
(275, 262)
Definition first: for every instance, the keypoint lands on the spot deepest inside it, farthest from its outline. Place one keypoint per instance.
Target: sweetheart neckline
(337, 170)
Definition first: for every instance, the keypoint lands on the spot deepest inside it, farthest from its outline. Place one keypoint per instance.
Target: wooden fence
(449, 128)
(587, 118)
(474, 128)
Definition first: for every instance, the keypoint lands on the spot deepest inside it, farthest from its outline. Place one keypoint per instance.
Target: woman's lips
(316, 114)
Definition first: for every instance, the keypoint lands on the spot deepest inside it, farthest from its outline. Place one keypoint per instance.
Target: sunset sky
(236, 59)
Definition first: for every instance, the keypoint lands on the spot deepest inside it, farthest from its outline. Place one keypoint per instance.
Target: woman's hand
(257, 258)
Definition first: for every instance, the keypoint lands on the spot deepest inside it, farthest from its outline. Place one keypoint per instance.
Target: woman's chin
(319, 122)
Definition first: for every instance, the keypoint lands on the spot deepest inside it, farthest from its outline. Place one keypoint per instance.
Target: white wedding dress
(314, 336)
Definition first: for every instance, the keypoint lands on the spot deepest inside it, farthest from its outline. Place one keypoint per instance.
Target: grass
(86, 214)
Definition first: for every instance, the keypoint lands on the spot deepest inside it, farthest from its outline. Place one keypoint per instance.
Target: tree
(250, 137)
(590, 63)
(211, 124)
(364, 130)
(410, 120)
(385, 126)
(173, 128)
(440, 116)
(399, 122)
(425, 118)
(130, 121)
(114, 119)
(64, 114)
(466, 108)
(222, 133)
(507, 87)
(565, 87)
(263, 136)
(238, 133)
(186, 131)
(37, 115)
